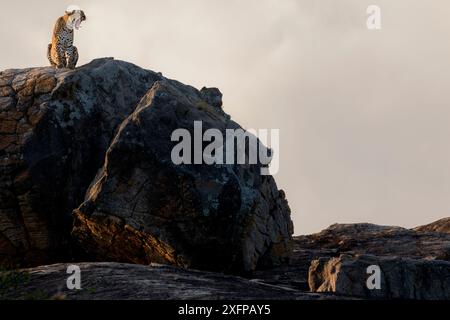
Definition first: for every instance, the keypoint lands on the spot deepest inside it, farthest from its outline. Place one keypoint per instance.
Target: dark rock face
(400, 278)
(143, 208)
(113, 281)
(55, 129)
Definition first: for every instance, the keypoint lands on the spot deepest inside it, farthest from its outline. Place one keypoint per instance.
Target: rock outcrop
(86, 173)
(399, 278)
(382, 242)
(414, 263)
(97, 140)
(377, 240)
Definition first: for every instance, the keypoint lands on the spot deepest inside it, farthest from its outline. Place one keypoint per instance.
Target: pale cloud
(364, 115)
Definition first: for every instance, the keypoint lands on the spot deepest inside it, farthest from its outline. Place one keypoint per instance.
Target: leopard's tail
(49, 55)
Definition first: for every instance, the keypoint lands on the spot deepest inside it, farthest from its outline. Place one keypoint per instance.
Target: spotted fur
(61, 52)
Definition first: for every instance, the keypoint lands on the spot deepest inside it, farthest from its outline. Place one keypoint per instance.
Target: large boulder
(143, 208)
(136, 204)
(55, 128)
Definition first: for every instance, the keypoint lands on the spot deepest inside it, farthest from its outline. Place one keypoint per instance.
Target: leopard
(61, 52)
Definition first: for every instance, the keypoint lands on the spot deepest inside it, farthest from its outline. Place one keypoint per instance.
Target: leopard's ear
(72, 9)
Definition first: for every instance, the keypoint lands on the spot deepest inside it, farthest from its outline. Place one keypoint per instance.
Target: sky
(363, 115)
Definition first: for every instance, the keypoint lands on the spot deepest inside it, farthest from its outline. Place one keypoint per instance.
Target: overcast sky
(363, 115)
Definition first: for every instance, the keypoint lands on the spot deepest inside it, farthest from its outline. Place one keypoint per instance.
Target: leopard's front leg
(72, 57)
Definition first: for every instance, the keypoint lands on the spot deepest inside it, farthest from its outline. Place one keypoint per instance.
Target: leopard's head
(75, 16)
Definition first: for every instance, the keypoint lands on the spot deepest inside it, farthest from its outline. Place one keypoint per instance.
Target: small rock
(212, 96)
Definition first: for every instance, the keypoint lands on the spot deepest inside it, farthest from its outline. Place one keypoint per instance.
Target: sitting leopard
(61, 52)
